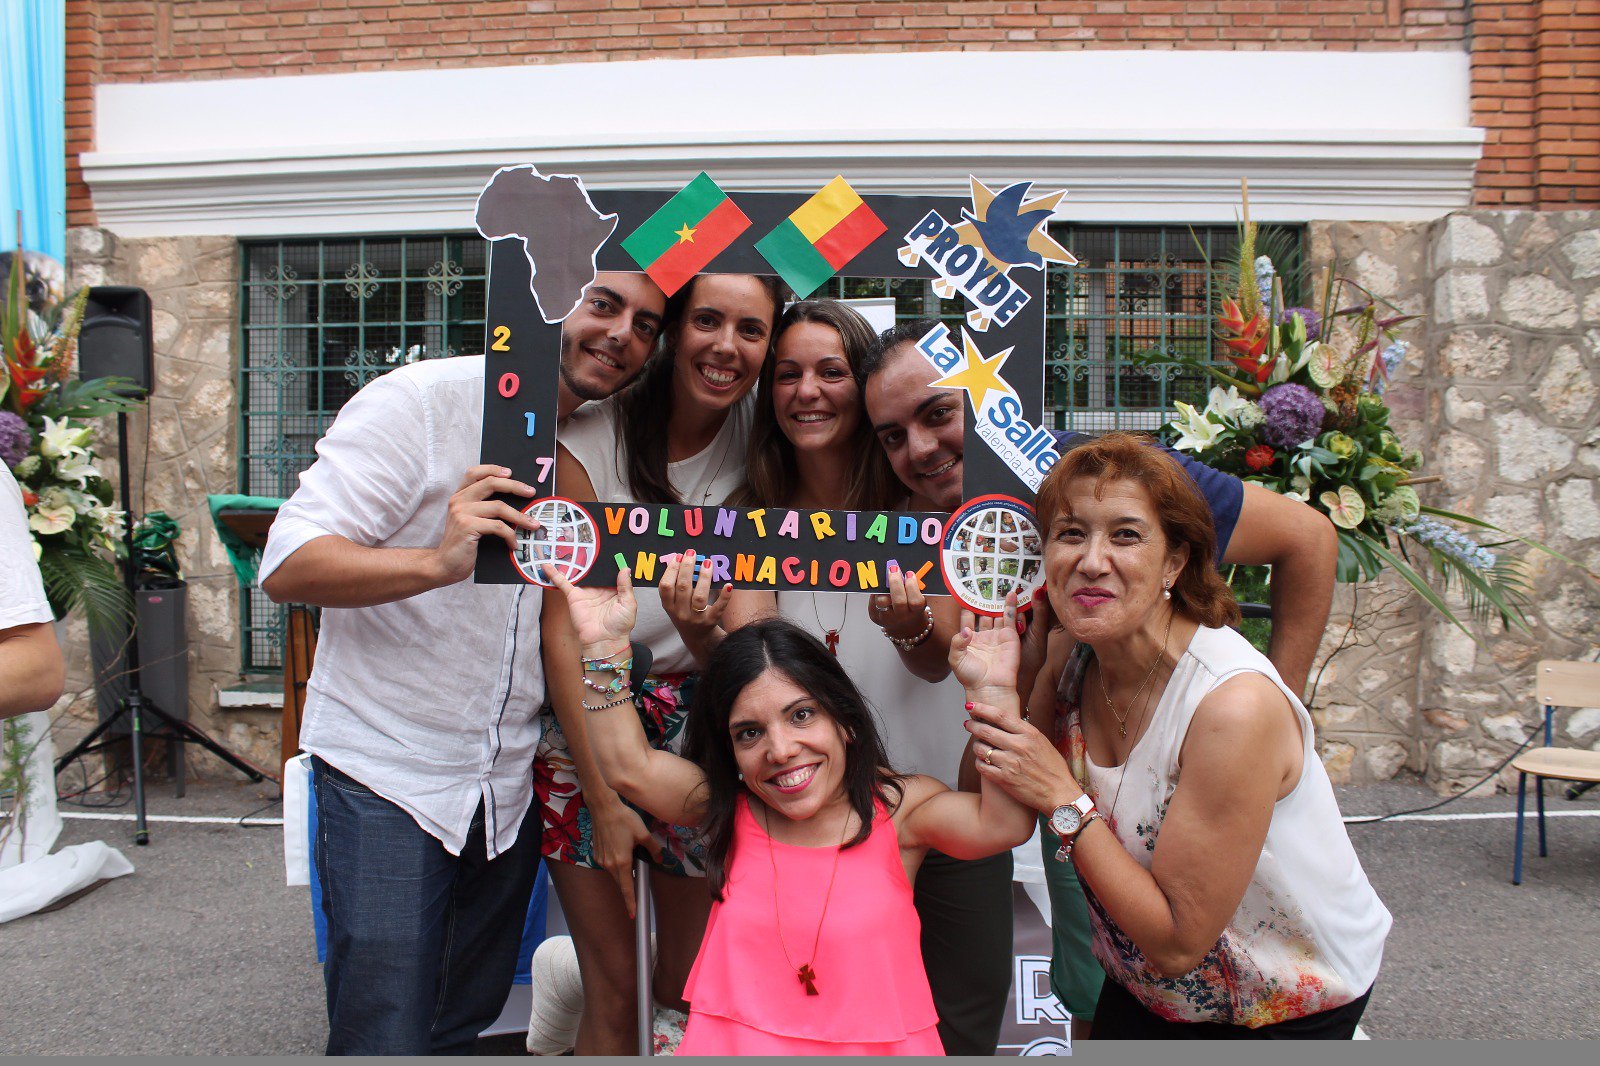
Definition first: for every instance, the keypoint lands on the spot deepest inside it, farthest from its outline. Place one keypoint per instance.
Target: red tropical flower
(25, 376)
(1259, 457)
(1248, 338)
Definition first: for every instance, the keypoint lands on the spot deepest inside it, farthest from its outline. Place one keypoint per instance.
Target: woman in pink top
(812, 840)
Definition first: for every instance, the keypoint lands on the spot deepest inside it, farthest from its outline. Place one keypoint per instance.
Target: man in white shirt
(421, 711)
(31, 671)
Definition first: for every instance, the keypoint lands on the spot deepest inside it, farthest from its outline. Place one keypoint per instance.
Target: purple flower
(1294, 415)
(15, 440)
(1312, 320)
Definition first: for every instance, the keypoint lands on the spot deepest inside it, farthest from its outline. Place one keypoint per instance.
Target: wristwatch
(1068, 820)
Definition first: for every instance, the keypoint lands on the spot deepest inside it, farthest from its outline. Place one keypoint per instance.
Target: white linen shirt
(22, 598)
(432, 701)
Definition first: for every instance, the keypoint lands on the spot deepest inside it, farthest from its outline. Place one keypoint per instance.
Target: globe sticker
(991, 548)
(566, 540)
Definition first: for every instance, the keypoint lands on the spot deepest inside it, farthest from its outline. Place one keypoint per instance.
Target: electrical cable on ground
(245, 824)
(1448, 799)
(1572, 793)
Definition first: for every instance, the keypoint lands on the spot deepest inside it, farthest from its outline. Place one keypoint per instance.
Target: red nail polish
(969, 706)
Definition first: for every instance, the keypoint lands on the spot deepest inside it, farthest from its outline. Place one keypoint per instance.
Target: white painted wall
(1134, 135)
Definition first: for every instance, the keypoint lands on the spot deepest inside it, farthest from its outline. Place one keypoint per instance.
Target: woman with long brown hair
(677, 435)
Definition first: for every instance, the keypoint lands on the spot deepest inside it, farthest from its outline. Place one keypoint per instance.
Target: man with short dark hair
(421, 716)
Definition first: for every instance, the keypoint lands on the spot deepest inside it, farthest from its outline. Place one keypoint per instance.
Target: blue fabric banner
(33, 153)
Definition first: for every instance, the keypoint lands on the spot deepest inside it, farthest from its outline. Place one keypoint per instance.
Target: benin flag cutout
(676, 243)
(825, 233)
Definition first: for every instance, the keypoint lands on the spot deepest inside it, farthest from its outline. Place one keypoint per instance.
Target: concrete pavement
(204, 950)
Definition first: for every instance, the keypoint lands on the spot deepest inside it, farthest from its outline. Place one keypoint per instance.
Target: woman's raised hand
(688, 601)
(600, 616)
(985, 654)
(902, 612)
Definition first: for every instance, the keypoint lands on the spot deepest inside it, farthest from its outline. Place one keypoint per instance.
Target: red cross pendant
(831, 638)
(808, 977)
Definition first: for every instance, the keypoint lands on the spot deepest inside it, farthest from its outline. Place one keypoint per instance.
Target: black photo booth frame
(520, 393)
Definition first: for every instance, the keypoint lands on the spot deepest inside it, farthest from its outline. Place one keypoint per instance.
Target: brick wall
(83, 72)
(1536, 90)
(160, 40)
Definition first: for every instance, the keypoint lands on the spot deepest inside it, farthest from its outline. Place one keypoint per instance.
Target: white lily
(1196, 432)
(47, 520)
(109, 519)
(76, 468)
(1227, 404)
(61, 438)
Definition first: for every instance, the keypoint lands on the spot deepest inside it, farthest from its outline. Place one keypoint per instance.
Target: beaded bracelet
(614, 685)
(608, 662)
(607, 706)
(908, 643)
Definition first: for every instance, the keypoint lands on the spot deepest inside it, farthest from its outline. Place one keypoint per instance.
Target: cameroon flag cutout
(690, 230)
(823, 234)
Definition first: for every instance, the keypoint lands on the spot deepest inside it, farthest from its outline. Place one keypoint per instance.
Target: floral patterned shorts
(568, 828)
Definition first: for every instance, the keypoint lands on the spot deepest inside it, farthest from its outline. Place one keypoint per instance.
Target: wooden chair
(1557, 684)
(300, 651)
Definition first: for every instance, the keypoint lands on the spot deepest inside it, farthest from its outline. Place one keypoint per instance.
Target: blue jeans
(422, 944)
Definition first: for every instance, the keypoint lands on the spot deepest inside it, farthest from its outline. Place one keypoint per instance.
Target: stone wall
(182, 447)
(1514, 351)
(1499, 393)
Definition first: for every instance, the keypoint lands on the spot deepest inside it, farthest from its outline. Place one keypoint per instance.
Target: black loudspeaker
(115, 340)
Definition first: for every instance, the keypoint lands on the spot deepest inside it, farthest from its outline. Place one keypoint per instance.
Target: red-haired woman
(1225, 896)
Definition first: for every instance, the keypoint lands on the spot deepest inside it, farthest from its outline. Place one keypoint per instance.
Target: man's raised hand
(473, 516)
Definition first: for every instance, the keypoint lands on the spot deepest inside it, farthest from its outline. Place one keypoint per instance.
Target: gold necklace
(804, 972)
(1100, 676)
(1111, 814)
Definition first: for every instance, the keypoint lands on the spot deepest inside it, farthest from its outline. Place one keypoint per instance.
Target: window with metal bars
(322, 318)
(1135, 289)
(319, 320)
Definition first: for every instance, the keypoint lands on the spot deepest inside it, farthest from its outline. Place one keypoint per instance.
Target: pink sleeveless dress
(872, 992)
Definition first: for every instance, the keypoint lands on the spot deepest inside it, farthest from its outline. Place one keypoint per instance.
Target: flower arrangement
(1301, 411)
(45, 439)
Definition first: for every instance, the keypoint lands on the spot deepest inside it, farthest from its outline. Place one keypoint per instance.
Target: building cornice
(274, 164)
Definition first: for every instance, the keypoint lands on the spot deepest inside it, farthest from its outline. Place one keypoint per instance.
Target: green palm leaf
(76, 580)
(1415, 580)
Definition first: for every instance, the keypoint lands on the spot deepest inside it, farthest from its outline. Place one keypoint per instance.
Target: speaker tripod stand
(134, 707)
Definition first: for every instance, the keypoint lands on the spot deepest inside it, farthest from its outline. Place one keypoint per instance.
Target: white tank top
(920, 721)
(1308, 935)
(708, 477)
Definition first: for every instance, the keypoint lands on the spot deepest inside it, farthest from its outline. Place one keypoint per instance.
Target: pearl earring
(1166, 592)
(741, 777)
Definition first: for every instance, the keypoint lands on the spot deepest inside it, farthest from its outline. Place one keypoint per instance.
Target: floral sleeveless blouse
(1307, 936)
